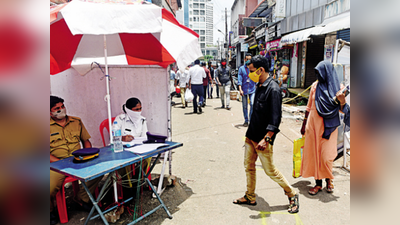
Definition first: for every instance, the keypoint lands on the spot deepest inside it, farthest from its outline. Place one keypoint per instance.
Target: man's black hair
(131, 103)
(203, 64)
(223, 60)
(260, 61)
(54, 100)
(197, 62)
(248, 54)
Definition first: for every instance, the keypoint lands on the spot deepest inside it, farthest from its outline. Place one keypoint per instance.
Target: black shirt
(267, 111)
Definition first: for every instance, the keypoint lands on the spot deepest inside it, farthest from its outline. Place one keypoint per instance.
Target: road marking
(264, 216)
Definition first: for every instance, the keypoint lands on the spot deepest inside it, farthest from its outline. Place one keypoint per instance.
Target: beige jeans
(183, 90)
(266, 158)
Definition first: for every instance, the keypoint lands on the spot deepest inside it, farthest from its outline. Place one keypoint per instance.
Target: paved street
(210, 164)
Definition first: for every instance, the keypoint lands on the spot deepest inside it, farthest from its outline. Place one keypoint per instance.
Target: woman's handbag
(297, 155)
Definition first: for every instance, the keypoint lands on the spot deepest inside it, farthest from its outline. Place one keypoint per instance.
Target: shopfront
(280, 60)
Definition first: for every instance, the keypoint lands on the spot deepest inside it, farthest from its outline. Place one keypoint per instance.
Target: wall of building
(301, 14)
(238, 8)
(198, 16)
(250, 6)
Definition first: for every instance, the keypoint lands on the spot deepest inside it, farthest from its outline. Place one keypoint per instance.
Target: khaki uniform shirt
(65, 140)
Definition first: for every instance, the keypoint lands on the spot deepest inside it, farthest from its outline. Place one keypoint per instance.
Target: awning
(336, 23)
(259, 11)
(300, 36)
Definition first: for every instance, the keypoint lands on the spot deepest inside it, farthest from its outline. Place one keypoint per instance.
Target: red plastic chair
(103, 125)
(60, 197)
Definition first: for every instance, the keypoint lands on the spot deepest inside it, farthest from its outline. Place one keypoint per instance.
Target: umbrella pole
(109, 106)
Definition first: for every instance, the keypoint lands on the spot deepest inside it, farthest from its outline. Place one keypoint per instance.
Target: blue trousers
(244, 103)
(197, 90)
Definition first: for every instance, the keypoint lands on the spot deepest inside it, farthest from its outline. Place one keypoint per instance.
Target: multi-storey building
(198, 16)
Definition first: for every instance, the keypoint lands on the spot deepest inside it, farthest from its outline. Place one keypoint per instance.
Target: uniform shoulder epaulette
(75, 118)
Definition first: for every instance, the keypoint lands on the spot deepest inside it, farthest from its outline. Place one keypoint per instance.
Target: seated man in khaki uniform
(66, 135)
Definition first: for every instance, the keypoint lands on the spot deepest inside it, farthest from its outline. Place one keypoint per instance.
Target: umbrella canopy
(142, 34)
(117, 34)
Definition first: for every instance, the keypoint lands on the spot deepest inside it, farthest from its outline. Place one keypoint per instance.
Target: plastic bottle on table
(117, 138)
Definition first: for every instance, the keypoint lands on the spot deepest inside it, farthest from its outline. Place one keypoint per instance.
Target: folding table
(107, 162)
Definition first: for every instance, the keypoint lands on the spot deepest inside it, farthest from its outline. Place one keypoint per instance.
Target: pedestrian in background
(320, 127)
(261, 134)
(211, 82)
(224, 80)
(171, 80)
(247, 88)
(182, 78)
(196, 75)
(216, 82)
(205, 82)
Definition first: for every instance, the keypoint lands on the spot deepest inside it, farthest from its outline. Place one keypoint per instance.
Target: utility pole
(226, 33)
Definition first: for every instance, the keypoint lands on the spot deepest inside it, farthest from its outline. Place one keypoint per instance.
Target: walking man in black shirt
(260, 136)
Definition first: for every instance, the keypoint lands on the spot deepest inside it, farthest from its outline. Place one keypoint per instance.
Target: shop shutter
(344, 35)
(315, 54)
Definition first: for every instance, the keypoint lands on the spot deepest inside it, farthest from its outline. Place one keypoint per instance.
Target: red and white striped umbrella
(117, 34)
(136, 34)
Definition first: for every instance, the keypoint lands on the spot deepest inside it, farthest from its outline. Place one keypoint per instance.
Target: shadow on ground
(263, 206)
(173, 196)
(322, 196)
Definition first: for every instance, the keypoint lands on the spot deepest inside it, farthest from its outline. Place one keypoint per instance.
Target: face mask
(223, 63)
(60, 114)
(254, 76)
(133, 115)
(247, 62)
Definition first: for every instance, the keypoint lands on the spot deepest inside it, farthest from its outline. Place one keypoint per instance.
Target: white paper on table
(136, 141)
(141, 149)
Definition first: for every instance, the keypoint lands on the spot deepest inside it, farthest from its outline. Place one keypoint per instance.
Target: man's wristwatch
(267, 139)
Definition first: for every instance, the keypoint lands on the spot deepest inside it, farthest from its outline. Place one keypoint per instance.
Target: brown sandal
(315, 190)
(329, 186)
(294, 202)
(247, 202)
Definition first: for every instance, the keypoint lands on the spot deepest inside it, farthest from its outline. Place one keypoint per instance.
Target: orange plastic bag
(297, 155)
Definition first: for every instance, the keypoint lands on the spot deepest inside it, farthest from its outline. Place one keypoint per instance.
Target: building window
(202, 39)
(202, 19)
(195, 5)
(202, 12)
(190, 5)
(190, 12)
(202, 32)
(201, 0)
(202, 45)
(195, 12)
(197, 31)
(190, 19)
(202, 6)
(191, 26)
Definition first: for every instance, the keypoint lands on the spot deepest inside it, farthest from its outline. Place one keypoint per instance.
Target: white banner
(280, 9)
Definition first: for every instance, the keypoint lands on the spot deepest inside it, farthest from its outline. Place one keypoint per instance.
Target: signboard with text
(244, 47)
(280, 9)
(273, 45)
